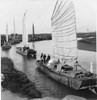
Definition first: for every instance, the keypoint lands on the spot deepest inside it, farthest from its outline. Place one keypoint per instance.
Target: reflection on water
(46, 85)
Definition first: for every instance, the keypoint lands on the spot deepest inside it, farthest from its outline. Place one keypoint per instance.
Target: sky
(39, 12)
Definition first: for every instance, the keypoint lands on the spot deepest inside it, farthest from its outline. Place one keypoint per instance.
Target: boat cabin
(66, 69)
(58, 66)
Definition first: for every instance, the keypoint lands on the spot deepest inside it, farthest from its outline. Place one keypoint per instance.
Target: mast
(33, 35)
(6, 32)
(64, 31)
(14, 28)
(33, 31)
(25, 35)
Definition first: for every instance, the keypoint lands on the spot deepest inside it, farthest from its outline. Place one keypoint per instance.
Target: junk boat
(66, 74)
(6, 46)
(25, 50)
(64, 67)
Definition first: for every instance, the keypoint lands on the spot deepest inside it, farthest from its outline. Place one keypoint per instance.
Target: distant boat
(25, 50)
(64, 67)
(6, 45)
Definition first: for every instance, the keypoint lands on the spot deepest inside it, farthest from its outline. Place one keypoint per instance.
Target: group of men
(45, 58)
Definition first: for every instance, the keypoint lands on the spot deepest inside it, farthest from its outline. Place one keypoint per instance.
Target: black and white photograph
(48, 49)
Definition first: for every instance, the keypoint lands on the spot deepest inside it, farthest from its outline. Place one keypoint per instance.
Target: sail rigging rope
(65, 10)
(64, 29)
(62, 14)
(58, 11)
(54, 10)
(64, 25)
(61, 23)
(63, 35)
(65, 18)
(65, 32)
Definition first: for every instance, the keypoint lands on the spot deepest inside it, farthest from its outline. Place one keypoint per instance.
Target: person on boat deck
(41, 57)
(58, 61)
(25, 48)
(48, 58)
(44, 57)
(55, 67)
(76, 64)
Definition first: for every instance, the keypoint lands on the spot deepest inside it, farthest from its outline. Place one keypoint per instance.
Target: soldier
(48, 58)
(44, 57)
(77, 64)
(41, 57)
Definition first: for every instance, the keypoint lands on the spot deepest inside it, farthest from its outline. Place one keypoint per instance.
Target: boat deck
(77, 74)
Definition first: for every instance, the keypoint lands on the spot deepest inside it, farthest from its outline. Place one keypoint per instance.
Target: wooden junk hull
(74, 83)
(26, 52)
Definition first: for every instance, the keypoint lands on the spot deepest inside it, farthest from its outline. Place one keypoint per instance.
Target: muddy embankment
(16, 81)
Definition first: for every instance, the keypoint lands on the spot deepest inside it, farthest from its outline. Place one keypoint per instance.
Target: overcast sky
(39, 12)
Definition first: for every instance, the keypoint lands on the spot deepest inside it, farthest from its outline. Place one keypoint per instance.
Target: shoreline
(16, 81)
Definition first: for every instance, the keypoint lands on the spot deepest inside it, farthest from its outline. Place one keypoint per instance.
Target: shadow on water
(56, 89)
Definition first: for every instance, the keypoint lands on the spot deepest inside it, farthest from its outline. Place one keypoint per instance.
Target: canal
(46, 85)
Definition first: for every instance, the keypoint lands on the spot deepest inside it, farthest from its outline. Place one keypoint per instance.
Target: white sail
(25, 35)
(6, 32)
(14, 28)
(64, 30)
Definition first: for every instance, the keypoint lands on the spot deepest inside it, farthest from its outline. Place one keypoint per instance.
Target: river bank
(16, 81)
(16, 85)
(89, 38)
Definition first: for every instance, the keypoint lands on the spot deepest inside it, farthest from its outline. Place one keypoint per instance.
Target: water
(46, 85)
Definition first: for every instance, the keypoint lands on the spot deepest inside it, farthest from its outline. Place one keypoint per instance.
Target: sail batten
(64, 31)
(54, 10)
(61, 15)
(68, 33)
(65, 18)
(62, 23)
(63, 26)
(58, 11)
